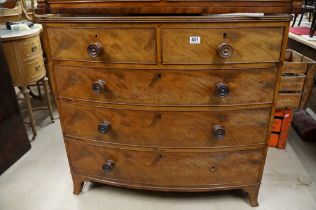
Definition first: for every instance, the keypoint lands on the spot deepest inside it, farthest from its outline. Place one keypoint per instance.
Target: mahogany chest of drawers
(166, 103)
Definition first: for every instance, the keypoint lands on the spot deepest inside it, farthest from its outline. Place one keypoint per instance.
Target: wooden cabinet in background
(24, 55)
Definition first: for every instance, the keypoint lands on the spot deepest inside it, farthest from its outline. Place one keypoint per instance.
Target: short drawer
(221, 45)
(167, 87)
(108, 45)
(166, 128)
(161, 168)
(30, 46)
(34, 68)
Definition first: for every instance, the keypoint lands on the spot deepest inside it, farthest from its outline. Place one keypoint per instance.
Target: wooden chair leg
(26, 95)
(253, 192)
(301, 18)
(49, 104)
(39, 89)
(294, 20)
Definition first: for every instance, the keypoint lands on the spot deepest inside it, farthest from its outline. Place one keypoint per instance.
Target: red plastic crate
(280, 128)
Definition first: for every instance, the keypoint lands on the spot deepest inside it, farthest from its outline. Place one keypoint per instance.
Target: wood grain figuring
(153, 119)
(119, 45)
(34, 68)
(249, 45)
(166, 129)
(166, 87)
(154, 167)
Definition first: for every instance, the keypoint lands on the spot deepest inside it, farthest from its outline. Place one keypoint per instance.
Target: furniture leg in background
(26, 94)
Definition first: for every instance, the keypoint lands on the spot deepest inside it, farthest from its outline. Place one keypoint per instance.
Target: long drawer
(167, 87)
(163, 168)
(166, 128)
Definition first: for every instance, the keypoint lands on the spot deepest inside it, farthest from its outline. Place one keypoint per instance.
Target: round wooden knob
(98, 86)
(219, 131)
(94, 50)
(225, 50)
(34, 48)
(104, 127)
(222, 90)
(108, 166)
(213, 168)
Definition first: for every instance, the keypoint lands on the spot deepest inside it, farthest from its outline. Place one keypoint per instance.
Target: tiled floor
(41, 181)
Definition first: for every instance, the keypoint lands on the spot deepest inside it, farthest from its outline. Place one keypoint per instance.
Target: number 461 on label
(195, 40)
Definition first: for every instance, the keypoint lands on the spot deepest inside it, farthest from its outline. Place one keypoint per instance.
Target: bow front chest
(170, 103)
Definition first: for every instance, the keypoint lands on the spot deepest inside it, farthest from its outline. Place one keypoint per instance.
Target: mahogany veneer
(128, 7)
(166, 103)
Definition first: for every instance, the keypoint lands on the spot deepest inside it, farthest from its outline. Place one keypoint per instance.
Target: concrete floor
(41, 180)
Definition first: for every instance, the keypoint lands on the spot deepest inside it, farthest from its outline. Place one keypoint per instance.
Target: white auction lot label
(195, 40)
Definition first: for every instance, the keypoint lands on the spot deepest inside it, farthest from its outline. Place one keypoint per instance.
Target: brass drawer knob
(219, 131)
(222, 90)
(37, 67)
(225, 50)
(104, 127)
(98, 86)
(108, 166)
(34, 48)
(94, 50)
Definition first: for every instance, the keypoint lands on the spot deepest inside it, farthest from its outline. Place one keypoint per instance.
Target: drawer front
(30, 46)
(108, 45)
(167, 87)
(34, 68)
(166, 128)
(161, 168)
(221, 45)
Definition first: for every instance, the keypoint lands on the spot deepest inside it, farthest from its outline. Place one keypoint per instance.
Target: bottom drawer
(34, 68)
(173, 168)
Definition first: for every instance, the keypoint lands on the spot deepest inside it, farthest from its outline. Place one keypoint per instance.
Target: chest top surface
(128, 7)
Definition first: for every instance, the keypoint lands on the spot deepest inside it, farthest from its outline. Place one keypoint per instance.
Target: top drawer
(108, 45)
(30, 46)
(221, 45)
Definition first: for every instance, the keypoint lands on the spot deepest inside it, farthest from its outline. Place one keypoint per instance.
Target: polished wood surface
(130, 120)
(161, 168)
(166, 128)
(128, 7)
(14, 141)
(119, 45)
(249, 45)
(156, 87)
